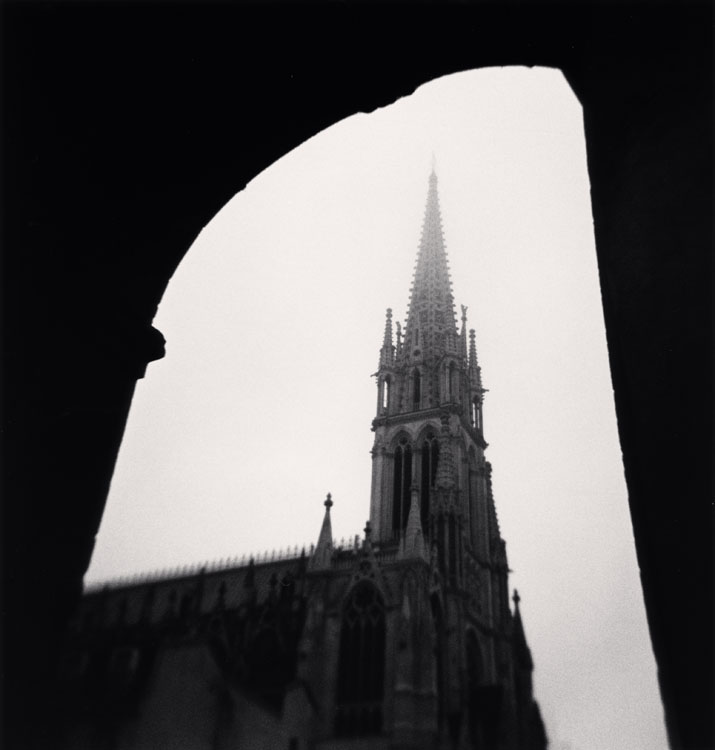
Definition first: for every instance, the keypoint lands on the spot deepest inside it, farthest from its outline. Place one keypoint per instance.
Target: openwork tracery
(426, 457)
(402, 481)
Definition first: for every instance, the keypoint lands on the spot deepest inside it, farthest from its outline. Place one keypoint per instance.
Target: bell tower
(429, 433)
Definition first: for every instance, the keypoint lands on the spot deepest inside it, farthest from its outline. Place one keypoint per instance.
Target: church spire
(431, 318)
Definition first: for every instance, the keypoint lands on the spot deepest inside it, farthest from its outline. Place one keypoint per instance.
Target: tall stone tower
(401, 640)
(428, 429)
(431, 485)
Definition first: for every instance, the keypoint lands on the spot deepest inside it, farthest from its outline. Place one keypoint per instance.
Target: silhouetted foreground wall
(126, 128)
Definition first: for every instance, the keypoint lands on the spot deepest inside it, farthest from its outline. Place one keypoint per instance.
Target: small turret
(384, 374)
(475, 371)
(322, 556)
(387, 352)
(475, 385)
(463, 334)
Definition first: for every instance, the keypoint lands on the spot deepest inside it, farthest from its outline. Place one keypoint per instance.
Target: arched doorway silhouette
(640, 76)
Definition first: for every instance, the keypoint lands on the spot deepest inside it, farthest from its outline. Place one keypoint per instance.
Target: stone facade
(403, 638)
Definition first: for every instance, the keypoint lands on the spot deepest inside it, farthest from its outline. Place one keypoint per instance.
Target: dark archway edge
(126, 127)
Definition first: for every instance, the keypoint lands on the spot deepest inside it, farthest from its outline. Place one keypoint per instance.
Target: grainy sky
(274, 321)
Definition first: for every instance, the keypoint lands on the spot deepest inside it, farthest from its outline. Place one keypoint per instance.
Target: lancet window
(386, 386)
(361, 663)
(402, 481)
(429, 458)
(416, 388)
(476, 414)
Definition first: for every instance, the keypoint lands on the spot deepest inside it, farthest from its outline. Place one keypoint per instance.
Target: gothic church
(402, 639)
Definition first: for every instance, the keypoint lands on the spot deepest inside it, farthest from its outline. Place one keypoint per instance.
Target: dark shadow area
(127, 127)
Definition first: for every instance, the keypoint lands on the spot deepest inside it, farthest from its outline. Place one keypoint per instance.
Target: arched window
(416, 388)
(476, 414)
(386, 392)
(429, 458)
(402, 481)
(361, 663)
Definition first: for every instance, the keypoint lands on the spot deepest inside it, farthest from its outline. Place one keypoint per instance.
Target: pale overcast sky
(274, 321)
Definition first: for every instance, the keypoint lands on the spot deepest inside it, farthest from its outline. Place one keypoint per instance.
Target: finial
(368, 530)
(516, 599)
(464, 313)
(328, 501)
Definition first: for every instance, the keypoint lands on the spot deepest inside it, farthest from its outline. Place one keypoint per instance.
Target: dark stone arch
(118, 161)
